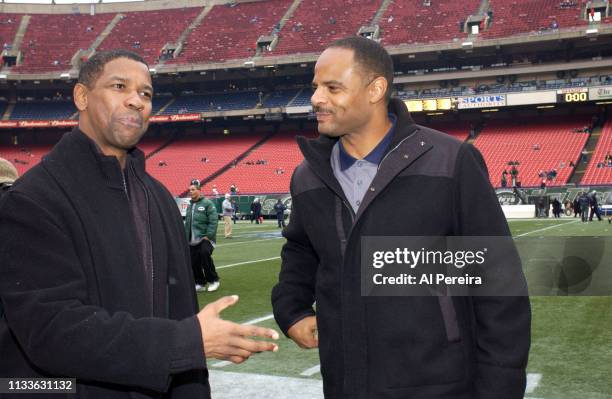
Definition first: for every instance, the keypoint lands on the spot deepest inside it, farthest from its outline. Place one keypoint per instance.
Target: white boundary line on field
(253, 321)
(246, 263)
(311, 371)
(545, 228)
(248, 242)
(533, 380)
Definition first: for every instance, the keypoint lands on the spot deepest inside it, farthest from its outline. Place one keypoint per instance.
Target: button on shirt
(356, 175)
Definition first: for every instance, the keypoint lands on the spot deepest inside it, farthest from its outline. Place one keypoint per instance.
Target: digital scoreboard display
(572, 95)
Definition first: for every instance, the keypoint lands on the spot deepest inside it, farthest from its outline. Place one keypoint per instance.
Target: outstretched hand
(226, 340)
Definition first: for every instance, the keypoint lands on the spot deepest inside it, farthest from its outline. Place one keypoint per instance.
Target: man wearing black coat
(374, 172)
(95, 279)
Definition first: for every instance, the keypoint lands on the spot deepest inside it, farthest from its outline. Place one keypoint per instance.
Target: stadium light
(592, 32)
(152, 71)
(249, 64)
(467, 45)
(65, 76)
(3, 76)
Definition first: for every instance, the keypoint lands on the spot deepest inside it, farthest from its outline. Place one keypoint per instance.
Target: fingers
(223, 303)
(252, 345)
(247, 330)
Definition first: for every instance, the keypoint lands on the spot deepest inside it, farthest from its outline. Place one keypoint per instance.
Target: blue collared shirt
(356, 175)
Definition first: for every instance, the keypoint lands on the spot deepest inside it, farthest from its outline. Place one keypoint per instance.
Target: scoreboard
(577, 95)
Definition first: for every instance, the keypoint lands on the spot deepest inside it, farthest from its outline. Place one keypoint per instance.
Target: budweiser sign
(72, 123)
(175, 118)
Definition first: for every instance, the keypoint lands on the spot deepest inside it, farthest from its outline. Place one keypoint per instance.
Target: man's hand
(304, 333)
(226, 340)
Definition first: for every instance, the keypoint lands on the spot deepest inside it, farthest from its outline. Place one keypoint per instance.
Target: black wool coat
(428, 184)
(78, 301)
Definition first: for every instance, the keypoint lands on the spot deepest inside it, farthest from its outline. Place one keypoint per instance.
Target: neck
(104, 148)
(360, 143)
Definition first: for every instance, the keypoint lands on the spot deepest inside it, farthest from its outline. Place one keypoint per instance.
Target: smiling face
(115, 110)
(341, 98)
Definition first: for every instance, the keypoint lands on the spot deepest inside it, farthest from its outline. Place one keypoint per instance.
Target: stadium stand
(537, 144)
(146, 32)
(213, 102)
(231, 31)
(42, 110)
(183, 158)
(598, 171)
(530, 16)
(51, 40)
(30, 149)
(315, 24)
(458, 129)
(281, 155)
(280, 98)
(302, 99)
(9, 23)
(410, 21)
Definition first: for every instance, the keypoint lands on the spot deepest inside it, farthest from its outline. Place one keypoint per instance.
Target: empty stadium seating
(41, 110)
(315, 24)
(459, 129)
(302, 99)
(281, 152)
(146, 32)
(213, 102)
(184, 159)
(600, 175)
(502, 141)
(280, 98)
(409, 21)
(9, 24)
(231, 31)
(529, 16)
(51, 40)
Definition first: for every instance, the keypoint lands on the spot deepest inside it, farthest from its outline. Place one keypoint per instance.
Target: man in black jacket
(95, 278)
(374, 172)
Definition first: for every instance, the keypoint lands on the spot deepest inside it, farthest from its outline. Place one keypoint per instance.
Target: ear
(377, 89)
(79, 94)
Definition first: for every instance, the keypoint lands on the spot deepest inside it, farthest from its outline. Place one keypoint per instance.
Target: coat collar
(76, 148)
(317, 152)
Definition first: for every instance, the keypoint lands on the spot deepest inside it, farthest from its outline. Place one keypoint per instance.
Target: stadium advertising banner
(73, 122)
(31, 124)
(545, 97)
(600, 93)
(175, 118)
(482, 101)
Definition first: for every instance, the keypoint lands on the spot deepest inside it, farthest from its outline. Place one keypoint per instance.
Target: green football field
(571, 353)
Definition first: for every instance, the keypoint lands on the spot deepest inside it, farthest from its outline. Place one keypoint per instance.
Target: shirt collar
(376, 155)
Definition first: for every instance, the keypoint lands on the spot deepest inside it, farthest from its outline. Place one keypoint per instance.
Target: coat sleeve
(503, 324)
(294, 294)
(49, 310)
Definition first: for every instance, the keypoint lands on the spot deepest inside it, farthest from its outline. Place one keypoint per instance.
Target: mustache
(316, 108)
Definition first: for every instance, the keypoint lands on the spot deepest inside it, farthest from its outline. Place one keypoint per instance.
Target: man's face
(118, 106)
(340, 98)
(194, 192)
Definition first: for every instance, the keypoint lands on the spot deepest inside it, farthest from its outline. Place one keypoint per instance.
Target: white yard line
(545, 228)
(533, 380)
(246, 263)
(311, 371)
(247, 242)
(253, 321)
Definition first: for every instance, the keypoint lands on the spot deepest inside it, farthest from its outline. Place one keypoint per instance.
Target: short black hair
(371, 56)
(93, 67)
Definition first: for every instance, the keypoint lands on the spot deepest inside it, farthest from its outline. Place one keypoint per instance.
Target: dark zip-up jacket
(79, 299)
(428, 184)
